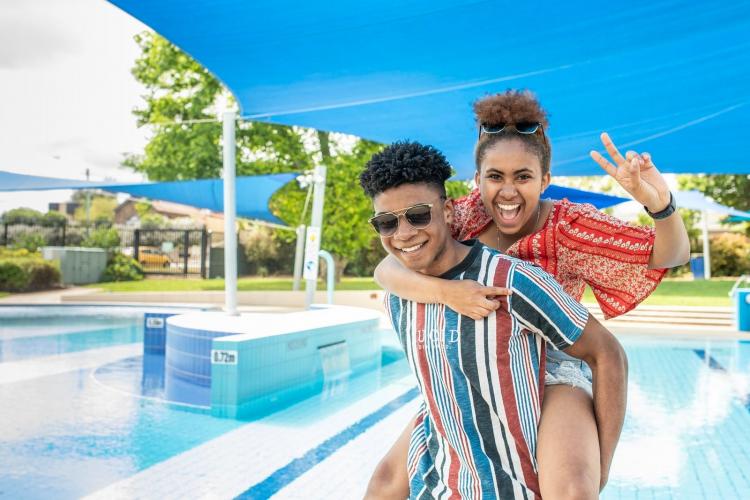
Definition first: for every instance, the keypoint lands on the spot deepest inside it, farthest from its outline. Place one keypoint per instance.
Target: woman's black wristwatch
(663, 214)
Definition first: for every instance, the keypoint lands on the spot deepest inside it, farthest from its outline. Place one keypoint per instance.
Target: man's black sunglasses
(418, 216)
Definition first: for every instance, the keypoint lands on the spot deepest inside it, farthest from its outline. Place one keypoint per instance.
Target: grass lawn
(4, 294)
(243, 284)
(670, 292)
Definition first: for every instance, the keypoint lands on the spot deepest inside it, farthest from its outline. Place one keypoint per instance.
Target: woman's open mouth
(509, 212)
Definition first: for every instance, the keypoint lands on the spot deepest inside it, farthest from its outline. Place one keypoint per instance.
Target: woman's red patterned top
(579, 245)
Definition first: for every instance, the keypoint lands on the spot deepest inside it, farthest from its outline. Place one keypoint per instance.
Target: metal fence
(160, 251)
(169, 251)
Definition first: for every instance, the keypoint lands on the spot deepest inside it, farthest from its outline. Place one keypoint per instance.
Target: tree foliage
(32, 217)
(730, 190)
(345, 229)
(181, 106)
(102, 208)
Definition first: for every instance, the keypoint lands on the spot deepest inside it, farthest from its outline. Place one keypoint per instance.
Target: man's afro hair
(405, 162)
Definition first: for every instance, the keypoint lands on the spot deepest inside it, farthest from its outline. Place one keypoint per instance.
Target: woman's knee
(581, 487)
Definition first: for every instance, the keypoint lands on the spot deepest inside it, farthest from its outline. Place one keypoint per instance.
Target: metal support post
(230, 210)
(314, 232)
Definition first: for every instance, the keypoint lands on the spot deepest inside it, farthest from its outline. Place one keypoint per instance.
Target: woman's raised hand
(471, 298)
(636, 173)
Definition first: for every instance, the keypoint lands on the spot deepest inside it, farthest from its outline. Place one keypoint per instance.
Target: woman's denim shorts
(567, 370)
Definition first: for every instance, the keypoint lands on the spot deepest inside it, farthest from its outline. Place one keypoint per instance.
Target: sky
(66, 93)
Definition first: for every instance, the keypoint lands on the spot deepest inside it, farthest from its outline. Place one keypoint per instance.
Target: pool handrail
(330, 273)
(741, 279)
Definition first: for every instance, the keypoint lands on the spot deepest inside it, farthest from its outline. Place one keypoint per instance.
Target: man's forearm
(610, 376)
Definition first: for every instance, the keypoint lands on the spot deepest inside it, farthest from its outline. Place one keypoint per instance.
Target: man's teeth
(508, 207)
(412, 249)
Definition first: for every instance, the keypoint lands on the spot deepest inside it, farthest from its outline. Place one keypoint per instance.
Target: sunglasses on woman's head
(525, 128)
(418, 216)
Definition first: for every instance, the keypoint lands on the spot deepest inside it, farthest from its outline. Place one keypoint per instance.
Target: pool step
(671, 315)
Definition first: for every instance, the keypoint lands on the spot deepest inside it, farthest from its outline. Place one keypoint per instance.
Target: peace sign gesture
(636, 173)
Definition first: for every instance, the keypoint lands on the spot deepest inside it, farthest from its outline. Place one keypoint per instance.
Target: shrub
(12, 276)
(21, 271)
(30, 241)
(53, 219)
(42, 274)
(730, 254)
(120, 267)
(27, 216)
(266, 253)
(14, 252)
(103, 237)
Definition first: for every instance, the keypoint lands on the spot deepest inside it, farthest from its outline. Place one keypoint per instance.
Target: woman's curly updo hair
(405, 162)
(511, 107)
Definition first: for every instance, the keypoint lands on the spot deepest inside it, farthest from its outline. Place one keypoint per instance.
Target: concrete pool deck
(648, 320)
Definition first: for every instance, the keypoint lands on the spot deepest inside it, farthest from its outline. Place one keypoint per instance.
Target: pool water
(53, 330)
(100, 417)
(72, 433)
(687, 430)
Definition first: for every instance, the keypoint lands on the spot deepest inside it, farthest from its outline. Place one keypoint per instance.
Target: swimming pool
(81, 414)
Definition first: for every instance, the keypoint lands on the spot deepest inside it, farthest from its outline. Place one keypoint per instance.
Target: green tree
(23, 215)
(101, 208)
(181, 107)
(345, 230)
(730, 190)
(182, 102)
(54, 219)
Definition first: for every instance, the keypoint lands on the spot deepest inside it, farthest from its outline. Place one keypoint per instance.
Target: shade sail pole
(314, 233)
(706, 247)
(230, 215)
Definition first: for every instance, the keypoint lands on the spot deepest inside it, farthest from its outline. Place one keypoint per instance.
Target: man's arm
(609, 366)
(540, 303)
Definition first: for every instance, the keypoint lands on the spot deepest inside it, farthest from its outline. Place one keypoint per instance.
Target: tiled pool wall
(243, 375)
(267, 372)
(155, 332)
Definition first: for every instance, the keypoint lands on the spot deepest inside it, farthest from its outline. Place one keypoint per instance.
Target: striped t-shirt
(482, 381)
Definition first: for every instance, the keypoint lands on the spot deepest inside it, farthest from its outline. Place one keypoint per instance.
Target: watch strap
(663, 214)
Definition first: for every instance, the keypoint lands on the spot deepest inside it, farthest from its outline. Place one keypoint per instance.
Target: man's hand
(472, 299)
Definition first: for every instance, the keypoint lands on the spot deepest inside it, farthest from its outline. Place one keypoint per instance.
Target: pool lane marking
(709, 360)
(715, 365)
(283, 476)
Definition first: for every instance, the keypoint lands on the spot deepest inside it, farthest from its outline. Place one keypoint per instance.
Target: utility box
(741, 297)
(698, 267)
(78, 266)
(742, 302)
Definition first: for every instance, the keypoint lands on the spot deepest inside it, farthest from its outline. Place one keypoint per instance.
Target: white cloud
(66, 92)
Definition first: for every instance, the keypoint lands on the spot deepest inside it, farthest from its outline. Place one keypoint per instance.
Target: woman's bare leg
(568, 446)
(390, 479)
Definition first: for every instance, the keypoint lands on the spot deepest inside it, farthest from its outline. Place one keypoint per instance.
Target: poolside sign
(222, 357)
(312, 248)
(154, 322)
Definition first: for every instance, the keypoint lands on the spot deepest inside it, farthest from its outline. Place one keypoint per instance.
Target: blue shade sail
(695, 200)
(599, 200)
(668, 77)
(253, 192)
